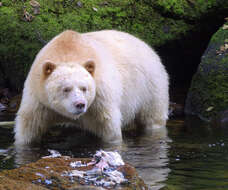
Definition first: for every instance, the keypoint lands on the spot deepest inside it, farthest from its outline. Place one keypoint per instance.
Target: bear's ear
(90, 66)
(48, 68)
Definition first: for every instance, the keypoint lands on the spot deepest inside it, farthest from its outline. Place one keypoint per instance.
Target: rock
(221, 120)
(8, 102)
(86, 188)
(157, 22)
(5, 93)
(50, 173)
(175, 110)
(208, 94)
(4, 99)
(14, 104)
(2, 107)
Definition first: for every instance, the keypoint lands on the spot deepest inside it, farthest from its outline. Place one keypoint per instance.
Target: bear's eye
(67, 89)
(83, 89)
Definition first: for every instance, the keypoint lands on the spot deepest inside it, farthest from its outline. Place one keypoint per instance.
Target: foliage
(190, 9)
(21, 40)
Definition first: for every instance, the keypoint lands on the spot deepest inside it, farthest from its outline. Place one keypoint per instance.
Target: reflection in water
(28, 155)
(147, 152)
(149, 156)
(196, 158)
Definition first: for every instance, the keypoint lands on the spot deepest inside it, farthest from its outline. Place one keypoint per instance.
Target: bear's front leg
(112, 126)
(105, 123)
(110, 130)
(32, 121)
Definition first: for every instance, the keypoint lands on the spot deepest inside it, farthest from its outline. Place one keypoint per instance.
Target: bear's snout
(80, 107)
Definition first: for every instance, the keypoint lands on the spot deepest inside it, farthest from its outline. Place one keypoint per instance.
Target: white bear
(104, 80)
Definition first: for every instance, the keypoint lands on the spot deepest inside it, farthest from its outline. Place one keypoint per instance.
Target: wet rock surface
(9, 101)
(55, 172)
(175, 110)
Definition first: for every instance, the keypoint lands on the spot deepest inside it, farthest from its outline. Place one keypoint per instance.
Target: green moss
(189, 9)
(209, 87)
(210, 91)
(219, 38)
(176, 6)
(21, 41)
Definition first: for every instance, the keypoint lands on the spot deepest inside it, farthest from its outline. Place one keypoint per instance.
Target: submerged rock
(63, 172)
(208, 94)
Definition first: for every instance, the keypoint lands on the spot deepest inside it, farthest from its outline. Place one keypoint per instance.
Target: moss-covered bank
(208, 94)
(21, 40)
(191, 9)
(157, 22)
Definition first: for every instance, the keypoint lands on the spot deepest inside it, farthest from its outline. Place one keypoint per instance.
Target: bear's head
(70, 89)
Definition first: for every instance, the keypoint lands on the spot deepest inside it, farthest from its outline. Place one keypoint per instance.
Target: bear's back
(129, 52)
(139, 66)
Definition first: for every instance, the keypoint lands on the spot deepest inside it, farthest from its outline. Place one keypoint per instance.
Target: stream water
(193, 156)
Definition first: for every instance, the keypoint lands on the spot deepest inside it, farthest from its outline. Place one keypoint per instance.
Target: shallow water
(193, 156)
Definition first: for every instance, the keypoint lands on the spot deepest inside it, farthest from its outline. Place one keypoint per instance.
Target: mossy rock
(208, 93)
(54, 173)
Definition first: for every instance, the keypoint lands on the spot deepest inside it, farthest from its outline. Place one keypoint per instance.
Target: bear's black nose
(79, 105)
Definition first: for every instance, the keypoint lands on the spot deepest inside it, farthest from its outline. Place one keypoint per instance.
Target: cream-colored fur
(129, 82)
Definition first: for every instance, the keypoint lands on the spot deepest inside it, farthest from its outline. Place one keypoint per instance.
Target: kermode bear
(104, 80)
